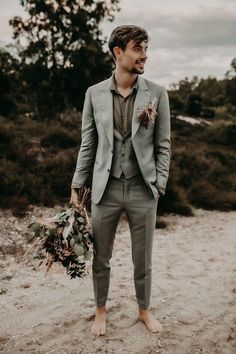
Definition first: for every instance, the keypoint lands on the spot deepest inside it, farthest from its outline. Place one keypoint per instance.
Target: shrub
(6, 144)
(222, 134)
(59, 139)
(205, 195)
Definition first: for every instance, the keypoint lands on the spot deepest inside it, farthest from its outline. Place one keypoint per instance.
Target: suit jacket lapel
(142, 100)
(106, 107)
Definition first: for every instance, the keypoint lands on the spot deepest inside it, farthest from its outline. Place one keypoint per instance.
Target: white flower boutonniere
(147, 114)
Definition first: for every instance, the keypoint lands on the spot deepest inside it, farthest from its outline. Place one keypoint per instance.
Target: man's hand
(74, 199)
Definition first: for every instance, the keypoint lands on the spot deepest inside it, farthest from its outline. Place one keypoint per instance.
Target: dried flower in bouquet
(147, 114)
(66, 238)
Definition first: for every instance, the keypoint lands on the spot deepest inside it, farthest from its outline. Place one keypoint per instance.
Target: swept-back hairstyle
(121, 35)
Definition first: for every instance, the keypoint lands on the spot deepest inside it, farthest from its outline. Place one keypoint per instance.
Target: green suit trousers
(133, 196)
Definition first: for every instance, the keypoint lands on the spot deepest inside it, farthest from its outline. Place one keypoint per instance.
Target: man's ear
(117, 52)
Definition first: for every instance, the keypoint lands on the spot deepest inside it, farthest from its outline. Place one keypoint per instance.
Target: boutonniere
(147, 114)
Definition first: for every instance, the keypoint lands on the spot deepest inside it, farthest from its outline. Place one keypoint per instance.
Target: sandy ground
(193, 293)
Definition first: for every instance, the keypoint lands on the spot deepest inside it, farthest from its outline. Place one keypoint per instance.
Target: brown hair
(121, 35)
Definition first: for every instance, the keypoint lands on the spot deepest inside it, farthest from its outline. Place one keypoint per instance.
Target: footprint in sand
(113, 307)
(123, 286)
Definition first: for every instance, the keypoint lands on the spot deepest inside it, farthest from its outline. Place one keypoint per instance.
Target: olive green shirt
(123, 108)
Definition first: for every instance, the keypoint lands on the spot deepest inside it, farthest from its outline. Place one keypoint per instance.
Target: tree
(9, 67)
(230, 89)
(183, 96)
(232, 72)
(193, 104)
(62, 45)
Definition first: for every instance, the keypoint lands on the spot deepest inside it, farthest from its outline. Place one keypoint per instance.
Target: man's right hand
(74, 199)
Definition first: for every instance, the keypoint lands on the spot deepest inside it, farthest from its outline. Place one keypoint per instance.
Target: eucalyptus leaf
(34, 227)
(78, 249)
(86, 235)
(72, 242)
(75, 238)
(81, 220)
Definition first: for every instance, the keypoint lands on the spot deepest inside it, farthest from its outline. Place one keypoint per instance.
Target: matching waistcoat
(124, 158)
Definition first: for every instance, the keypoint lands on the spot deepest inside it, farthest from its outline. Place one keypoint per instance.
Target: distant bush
(6, 144)
(202, 170)
(59, 139)
(70, 118)
(5, 136)
(30, 173)
(175, 201)
(223, 134)
(204, 173)
(205, 195)
(207, 112)
(11, 181)
(225, 112)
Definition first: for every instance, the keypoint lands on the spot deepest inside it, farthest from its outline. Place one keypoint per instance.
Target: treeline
(207, 98)
(44, 93)
(58, 54)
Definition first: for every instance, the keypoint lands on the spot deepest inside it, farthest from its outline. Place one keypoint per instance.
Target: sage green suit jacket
(152, 146)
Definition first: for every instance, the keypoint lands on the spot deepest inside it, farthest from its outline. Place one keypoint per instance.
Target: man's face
(133, 58)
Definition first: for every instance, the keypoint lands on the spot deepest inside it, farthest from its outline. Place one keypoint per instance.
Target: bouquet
(66, 238)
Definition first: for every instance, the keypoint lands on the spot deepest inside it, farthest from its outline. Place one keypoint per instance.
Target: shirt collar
(114, 88)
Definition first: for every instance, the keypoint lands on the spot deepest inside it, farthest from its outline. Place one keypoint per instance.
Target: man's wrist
(161, 191)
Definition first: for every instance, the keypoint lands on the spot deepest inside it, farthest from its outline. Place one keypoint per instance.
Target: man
(129, 163)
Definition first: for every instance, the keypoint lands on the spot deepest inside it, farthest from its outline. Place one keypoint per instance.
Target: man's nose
(144, 55)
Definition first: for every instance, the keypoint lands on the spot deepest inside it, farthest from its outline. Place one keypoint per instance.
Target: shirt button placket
(123, 114)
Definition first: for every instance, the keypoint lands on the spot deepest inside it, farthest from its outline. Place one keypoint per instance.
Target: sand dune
(193, 293)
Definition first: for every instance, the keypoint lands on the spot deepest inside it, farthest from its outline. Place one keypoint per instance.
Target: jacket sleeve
(162, 143)
(88, 147)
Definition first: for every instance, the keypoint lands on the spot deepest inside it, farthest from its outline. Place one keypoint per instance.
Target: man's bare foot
(99, 325)
(153, 325)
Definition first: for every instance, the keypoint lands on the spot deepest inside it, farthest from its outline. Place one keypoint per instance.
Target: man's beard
(134, 70)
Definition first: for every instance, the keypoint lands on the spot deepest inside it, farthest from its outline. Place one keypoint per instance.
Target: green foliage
(222, 134)
(175, 200)
(202, 166)
(193, 104)
(63, 47)
(7, 65)
(29, 170)
(230, 91)
(58, 139)
(204, 97)
(202, 170)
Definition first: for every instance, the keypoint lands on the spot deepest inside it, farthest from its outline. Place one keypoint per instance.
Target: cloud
(213, 27)
(203, 27)
(185, 40)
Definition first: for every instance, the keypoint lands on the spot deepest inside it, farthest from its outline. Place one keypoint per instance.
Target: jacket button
(112, 151)
(108, 170)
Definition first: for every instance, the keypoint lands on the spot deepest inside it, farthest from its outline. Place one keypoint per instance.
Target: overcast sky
(187, 37)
